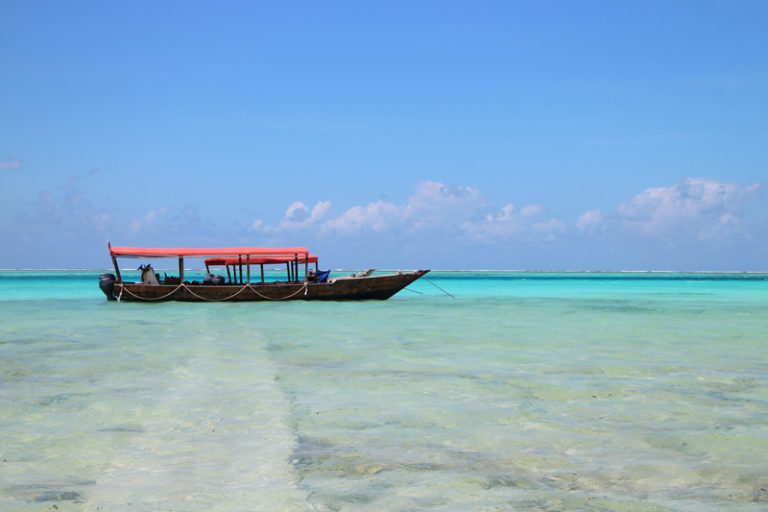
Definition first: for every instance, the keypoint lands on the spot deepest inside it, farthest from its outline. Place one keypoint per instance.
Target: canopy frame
(289, 254)
(291, 264)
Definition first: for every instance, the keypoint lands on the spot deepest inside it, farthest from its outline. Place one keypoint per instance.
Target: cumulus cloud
(433, 203)
(694, 209)
(531, 210)
(149, 221)
(589, 220)
(434, 210)
(695, 206)
(529, 223)
(297, 217)
(320, 210)
(297, 212)
(376, 217)
(550, 228)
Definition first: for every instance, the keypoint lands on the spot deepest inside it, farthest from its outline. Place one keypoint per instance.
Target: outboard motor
(107, 285)
(213, 279)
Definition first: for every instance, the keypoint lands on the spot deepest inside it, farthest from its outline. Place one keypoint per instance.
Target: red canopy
(138, 252)
(311, 258)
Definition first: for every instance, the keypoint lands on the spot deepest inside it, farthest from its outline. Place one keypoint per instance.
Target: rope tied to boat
(433, 284)
(124, 289)
(238, 292)
(304, 288)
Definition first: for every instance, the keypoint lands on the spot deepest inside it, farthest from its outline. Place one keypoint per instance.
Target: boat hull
(380, 287)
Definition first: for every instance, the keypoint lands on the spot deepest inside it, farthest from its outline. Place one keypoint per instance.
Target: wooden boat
(239, 285)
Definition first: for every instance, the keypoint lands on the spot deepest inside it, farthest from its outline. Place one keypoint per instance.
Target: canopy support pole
(181, 269)
(262, 273)
(248, 267)
(229, 276)
(117, 270)
(241, 268)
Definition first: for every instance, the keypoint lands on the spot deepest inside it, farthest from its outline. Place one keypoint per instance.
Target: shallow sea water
(540, 392)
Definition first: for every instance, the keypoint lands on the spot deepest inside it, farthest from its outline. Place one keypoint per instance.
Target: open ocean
(530, 392)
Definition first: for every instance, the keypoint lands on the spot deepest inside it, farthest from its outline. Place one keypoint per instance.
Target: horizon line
(350, 269)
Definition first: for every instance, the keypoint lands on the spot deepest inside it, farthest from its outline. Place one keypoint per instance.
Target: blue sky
(509, 135)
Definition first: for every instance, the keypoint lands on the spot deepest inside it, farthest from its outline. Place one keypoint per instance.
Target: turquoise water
(541, 392)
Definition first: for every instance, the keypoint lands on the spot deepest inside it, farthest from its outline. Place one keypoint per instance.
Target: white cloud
(589, 220)
(435, 203)
(695, 206)
(727, 225)
(377, 217)
(149, 221)
(502, 223)
(299, 217)
(152, 215)
(297, 212)
(531, 210)
(320, 211)
(529, 223)
(550, 227)
(435, 209)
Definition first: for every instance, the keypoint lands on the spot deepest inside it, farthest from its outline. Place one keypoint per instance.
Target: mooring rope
(123, 288)
(433, 284)
(216, 300)
(305, 288)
